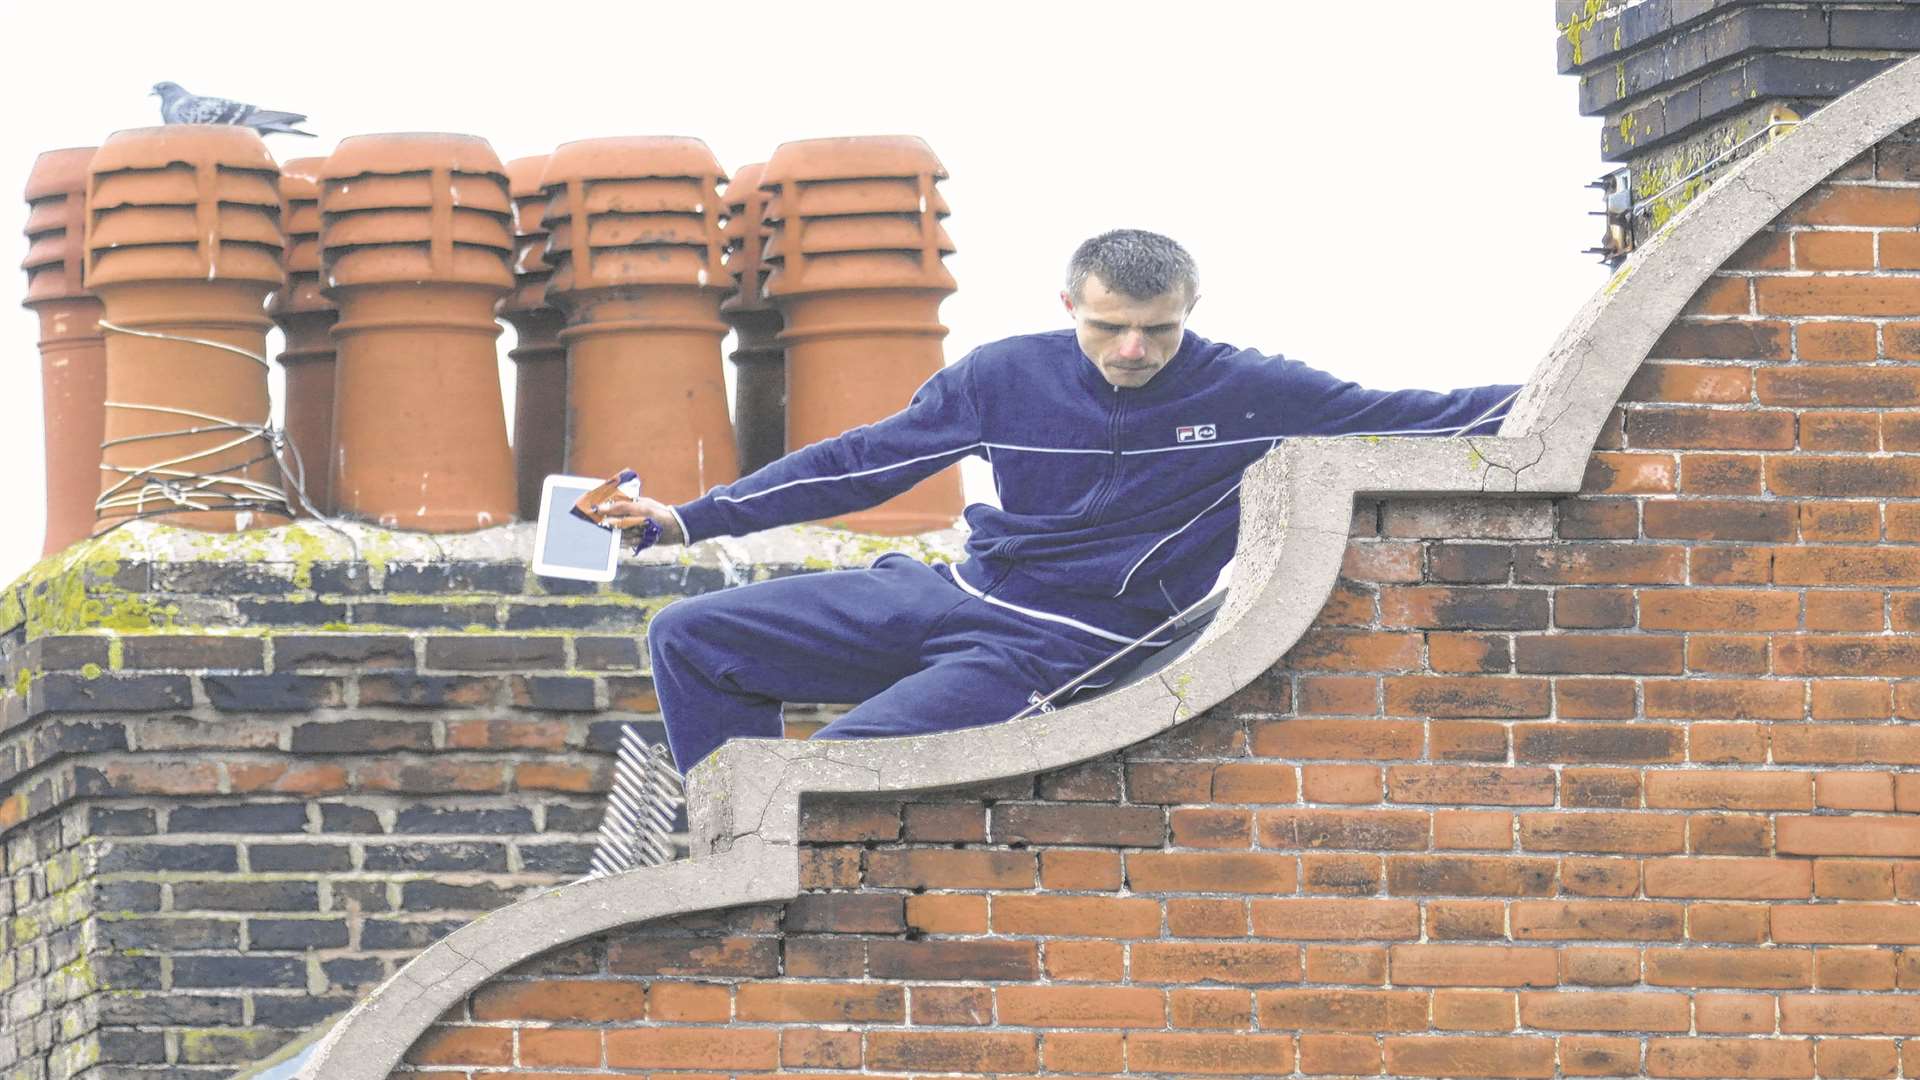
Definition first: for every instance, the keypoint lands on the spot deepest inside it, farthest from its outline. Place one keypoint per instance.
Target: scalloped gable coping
(1295, 504)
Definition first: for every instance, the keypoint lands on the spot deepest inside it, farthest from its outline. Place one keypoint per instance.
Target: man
(1116, 448)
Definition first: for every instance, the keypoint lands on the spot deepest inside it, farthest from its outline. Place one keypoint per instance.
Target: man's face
(1128, 339)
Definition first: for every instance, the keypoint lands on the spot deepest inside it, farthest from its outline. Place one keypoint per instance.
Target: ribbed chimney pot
(540, 360)
(634, 239)
(73, 358)
(856, 272)
(306, 317)
(184, 242)
(416, 241)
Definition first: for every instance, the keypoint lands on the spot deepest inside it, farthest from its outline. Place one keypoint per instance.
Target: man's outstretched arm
(854, 470)
(1317, 403)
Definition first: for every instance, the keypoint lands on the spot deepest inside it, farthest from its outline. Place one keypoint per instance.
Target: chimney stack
(1687, 87)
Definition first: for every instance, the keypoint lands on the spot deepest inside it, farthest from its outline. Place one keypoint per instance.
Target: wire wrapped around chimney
(174, 486)
(646, 796)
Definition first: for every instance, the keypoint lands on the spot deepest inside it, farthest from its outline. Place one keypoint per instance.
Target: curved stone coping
(744, 801)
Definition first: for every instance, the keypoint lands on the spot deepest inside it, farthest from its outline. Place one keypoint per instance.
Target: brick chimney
(1686, 87)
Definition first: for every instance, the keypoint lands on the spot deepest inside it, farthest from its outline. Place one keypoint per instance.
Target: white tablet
(566, 545)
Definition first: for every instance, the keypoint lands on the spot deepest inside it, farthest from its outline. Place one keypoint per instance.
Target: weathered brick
(1719, 339)
(1598, 654)
(1116, 826)
(361, 736)
(1469, 1055)
(427, 691)
(1467, 696)
(1211, 1054)
(1592, 831)
(1302, 919)
(820, 1003)
(1469, 875)
(1705, 428)
(831, 820)
(1235, 962)
(58, 692)
(1367, 739)
(271, 693)
(1076, 916)
(1825, 476)
(1162, 871)
(1343, 1010)
(364, 652)
(1081, 1007)
(1596, 920)
(426, 855)
(1432, 607)
(1568, 742)
(1470, 785)
(495, 653)
(690, 1048)
(193, 652)
(1378, 830)
(1726, 790)
(709, 957)
(1606, 1011)
(925, 868)
(1472, 965)
(983, 960)
(947, 1006)
(1846, 924)
(1850, 835)
(1617, 473)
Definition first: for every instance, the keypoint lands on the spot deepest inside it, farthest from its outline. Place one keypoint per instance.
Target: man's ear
(1191, 303)
(1066, 298)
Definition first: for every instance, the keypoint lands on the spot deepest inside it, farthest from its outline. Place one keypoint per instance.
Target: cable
(184, 489)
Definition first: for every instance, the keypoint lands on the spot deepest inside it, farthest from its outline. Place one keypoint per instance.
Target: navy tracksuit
(1119, 506)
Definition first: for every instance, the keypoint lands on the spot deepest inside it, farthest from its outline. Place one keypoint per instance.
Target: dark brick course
(111, 693)
(194, 652)
(366, 652)
(496, 653)
(428, 691)
(423, 616)
(362, 736)
(271, 693)
(246, 817)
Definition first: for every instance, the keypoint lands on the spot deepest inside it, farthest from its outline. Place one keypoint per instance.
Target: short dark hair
(1136, 262)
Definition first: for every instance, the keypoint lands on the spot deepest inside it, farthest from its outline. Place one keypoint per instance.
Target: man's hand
(628, 515)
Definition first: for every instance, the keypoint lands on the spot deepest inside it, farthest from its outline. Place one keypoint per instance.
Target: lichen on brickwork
(1583, 20)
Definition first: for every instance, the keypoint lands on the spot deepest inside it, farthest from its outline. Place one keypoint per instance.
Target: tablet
(566, 545)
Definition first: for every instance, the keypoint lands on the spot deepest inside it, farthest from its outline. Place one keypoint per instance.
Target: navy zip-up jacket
(1118, 506)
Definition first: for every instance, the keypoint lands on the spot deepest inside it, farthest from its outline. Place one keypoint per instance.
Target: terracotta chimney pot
(540, 360)
(416, 243)
(183, 239)
(306, 317)
(760, 372)
(73, 359)
(856, 273)
(634, 239)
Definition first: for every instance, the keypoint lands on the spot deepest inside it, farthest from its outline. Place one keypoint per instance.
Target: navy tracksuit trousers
(900, 638)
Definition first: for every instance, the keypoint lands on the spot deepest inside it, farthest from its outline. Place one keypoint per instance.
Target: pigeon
(177, 106)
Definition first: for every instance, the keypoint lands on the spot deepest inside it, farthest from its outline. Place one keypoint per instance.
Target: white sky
(1379, 191)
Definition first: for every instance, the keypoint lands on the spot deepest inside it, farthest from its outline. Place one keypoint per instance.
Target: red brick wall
(1609, 785)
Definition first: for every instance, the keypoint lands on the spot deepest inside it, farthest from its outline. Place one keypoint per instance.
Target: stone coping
(745, 800)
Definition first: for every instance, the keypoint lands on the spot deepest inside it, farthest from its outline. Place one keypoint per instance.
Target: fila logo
(1195, 433)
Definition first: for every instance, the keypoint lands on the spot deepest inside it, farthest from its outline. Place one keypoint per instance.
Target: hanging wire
(646, 796)
(176, 487)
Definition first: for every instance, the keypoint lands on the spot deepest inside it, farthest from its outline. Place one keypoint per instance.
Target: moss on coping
(75, 591)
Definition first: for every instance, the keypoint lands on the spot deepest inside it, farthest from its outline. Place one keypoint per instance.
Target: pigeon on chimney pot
(177, 106)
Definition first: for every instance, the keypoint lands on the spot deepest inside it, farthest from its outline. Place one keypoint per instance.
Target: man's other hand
(628, 515)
